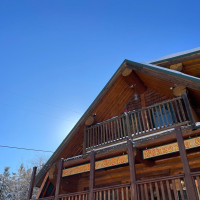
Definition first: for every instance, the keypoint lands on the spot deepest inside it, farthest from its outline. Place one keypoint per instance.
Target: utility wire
(10, 147)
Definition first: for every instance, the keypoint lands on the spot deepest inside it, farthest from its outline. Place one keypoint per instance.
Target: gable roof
(151, 69)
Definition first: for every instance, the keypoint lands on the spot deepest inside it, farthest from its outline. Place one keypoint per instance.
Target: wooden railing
(74, 196)
(138, 123)
(171, 187)
(163, 188)
(116, 192)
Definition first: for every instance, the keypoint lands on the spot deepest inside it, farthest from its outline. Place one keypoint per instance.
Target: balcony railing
(163, 188)
(170, 187)
(138, 123)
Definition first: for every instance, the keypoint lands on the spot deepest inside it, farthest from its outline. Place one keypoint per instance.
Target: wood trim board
(170, 148)
(110, 162)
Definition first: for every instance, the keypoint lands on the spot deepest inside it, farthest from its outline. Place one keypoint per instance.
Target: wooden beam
(30, 191)
(189, 182)
(59, 176)
(131, 158)
(177, 67)
(89, 121)
(42, 186)
(179, 90)
(92, 171)
(127, 71)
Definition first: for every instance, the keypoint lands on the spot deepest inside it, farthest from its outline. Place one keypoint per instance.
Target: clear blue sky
(56, 56)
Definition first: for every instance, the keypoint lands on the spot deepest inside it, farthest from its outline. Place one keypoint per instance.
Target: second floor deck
(137, 124)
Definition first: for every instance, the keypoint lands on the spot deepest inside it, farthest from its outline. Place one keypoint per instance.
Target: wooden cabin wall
(150, 96)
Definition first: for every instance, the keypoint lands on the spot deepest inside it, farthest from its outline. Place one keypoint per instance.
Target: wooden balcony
(139, 123)
(168, 187)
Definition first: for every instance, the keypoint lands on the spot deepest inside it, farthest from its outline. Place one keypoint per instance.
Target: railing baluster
(122, 193)
(168, 190)
(146, 191)
(150, 119)
(100, 195)
(177, 110)
(165, 116)
(132, 125)
(176, 121)
(147, 120)
(127, 198)
(162, 190)
(142, 192)
(180, 189)
(104, 134)
(154, 119)
(170, 114)
(114, 130)
(136, 123)
(117, 193)
(175, 191)
(111, 129)
(140, 126)
(104, 194)
(108, 194)
(182, 111)
(118, 129)
(161, 113)
(120, 124)
(151, 191)
(143, 121)
(113, 194)
(125, 132)
(157, 191)
(158, 117)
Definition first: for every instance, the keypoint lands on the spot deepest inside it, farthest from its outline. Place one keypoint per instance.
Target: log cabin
(138, 140)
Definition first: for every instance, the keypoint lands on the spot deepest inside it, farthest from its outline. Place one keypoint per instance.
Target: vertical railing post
(128, 125)
(84, 142)
(131, 158)
(190, 185)
(30, 191)
(92, 171)
(59, 176)
(189, 111)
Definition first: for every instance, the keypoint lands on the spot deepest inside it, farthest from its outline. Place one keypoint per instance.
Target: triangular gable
(153, 70)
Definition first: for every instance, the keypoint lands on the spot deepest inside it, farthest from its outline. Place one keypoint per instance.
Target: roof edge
(164, 70)
(175, 56)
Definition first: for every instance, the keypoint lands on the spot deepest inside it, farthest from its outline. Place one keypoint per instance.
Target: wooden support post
(30, 191)
(189, 182)
(189, 111)
(59, 176)
(131, 158)
(92, 171)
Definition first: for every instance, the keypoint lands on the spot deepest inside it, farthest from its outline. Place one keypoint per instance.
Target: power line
(22, 148)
